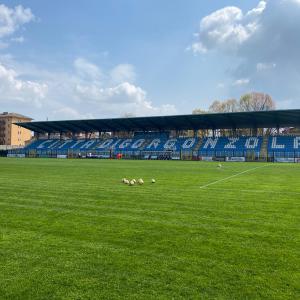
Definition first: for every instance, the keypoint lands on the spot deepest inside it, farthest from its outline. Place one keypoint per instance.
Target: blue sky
(92, 59)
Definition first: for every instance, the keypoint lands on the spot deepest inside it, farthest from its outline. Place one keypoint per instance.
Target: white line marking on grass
(255, 191)
(232, 176)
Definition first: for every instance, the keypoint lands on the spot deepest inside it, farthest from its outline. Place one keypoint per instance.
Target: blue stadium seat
(230, 146)
(135, 144)
(284, 146)
(34, 144)
(172, 144)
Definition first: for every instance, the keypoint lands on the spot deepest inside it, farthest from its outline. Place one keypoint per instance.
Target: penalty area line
(232, 176)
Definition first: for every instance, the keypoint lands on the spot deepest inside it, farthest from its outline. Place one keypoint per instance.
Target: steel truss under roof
(236, 120)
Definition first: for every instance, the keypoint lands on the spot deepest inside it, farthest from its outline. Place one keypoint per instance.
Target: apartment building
(10, 133)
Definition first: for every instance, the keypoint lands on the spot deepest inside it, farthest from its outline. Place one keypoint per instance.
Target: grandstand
(169, 137)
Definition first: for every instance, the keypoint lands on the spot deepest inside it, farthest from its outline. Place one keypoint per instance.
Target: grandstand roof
(262, 119)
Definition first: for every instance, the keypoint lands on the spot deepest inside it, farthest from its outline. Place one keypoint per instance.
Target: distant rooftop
(14, 115)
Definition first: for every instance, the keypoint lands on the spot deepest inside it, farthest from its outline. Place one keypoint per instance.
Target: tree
(256, 102)
(249, 102)
(199, 111)
(230, 105)
(216, 107)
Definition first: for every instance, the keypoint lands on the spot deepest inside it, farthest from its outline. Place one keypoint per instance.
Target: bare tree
(199, 111)
(256, 102)
(230, 105)
(216, 107)
(249, 102)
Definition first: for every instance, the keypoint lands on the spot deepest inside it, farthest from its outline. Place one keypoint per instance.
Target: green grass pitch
(71, 230)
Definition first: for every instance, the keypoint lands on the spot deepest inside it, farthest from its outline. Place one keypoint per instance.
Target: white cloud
(12, 19)
(261, 45)
(197, 47)
(119, 99)
(265, 66)
(123, 72)
(227, 28)
(257, 10)
(87, 70)
(242, 81)
(19, 39)
(124, 92)
(12, 88)
(84, 92)
(70, 112)
(294, 1)
(112, 93)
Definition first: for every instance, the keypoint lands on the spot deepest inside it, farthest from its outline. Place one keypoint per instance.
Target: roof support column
(254, 131)
(195, 133)
(48, 135)
(234, 132)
